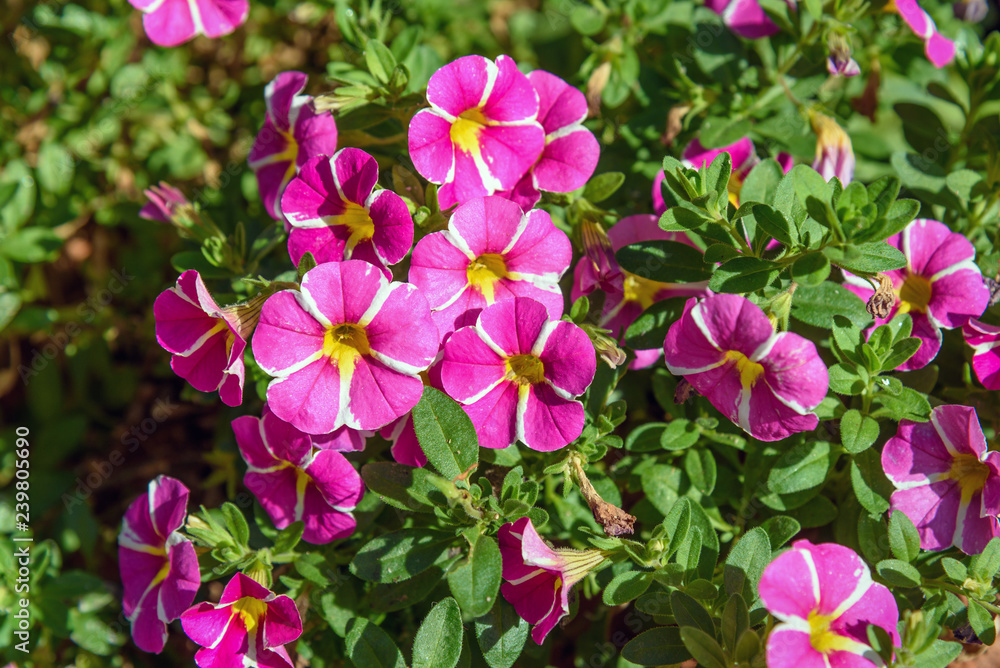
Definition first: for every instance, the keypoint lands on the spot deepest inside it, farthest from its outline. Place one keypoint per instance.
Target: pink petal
(559, 104)
(959, 427)
(787, 587)
(512, 97)
(401, 333)
(568, 358)
(914, 454)
(930, 343)
(770, 418)
(168, 499)
(541, 250)
(469, 366)
(795, 373)
(513, 325)
(405, 446)
(379, 395)
(791, 648)
(429, 140)
(439, 268)
(933, 509)
(567, 162)
(470, 181)
(460, 85)
(282, 624)
(494, 416)
(688, 348)
(170, 24)
(181, 584)
(279, 95)
(550, 421)
(221, 17)
(510, 151)
(393, 235)
(975, 530)
(877, 606)
(343, 291)
(315, 133)
(356, 173)
(286, 333)
(309, 398)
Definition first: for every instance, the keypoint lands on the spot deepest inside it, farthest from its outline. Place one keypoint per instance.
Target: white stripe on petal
(935, 422)
(522, 406)
(699, 321)
(309, 304)
(384, 291)
(199, 26)
(968, 264)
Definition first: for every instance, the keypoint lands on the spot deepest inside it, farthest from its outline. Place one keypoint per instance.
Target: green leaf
(717, 176)
(780, 529)
(586, 20)
(476, 580)
(313, 567)
(745, 563)
(501, 634)
(689, 612)
(857, 432)
(735, 620)
(446, 434)
(379, 60)
(867, 258)
(664, 261)
(700, 468)
(955, 569)
(762, 182)
(982, 623)
(744, 274)
(680, 219)
(677, 522)
(288, 537)
(870, 484)
(898, 573)
(747, 647)
(655, 647)
(402, 486)
(31, 245)
(774, 223)
(703, 647)
(368, 646)
(938, 655)
(845, 379)
(400, 555)
(817, 305)
(811, 269)
(679, 434)
(438, 642)
(236, 523)
(626, 586)
(650, 328)
(55, 168)
(10, 304)
(985, 565)
(645, 437)
(904, 541)
(603, 186)
(802, 467)
(901, 351)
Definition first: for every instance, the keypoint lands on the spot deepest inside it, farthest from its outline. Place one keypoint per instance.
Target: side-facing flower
(518, 373)
(491, 251)
(825, 599)
(249, 626)
(207, 342)
(766, 382)
(159, 567)
(940, 50)
(947, 483)
(985, 342)
(941, 286)
(840, 63)
(834, 153)
(173, 22)
(480, 135)
(293, 132)
(571, 150)
(336, 214)
(164, 200)
(746, 18)
(295, 481)
(346, 349)
(538, 577)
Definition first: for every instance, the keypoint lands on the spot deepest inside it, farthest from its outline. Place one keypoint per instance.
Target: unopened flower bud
(595, 86)
(834, 153)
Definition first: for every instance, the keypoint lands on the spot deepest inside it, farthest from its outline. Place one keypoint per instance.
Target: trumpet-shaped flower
(626, 294)
(766, 382)
(946, 481)
(825, 599)
(293, 133)
(163, 202)
(985, 342)
(491, 251)
(746, 18)
(346, 349)
(940, 50)
(297, 482)
(834, 152)
(336, 214)
(173, 22)
(249, 626)
(517, 373)
(941, 286)
(207, 342)
(538, 577)
(159, 567)
(481, 134)
(571, 150)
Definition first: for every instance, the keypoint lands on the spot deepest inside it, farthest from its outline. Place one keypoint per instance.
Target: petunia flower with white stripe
(249, 626)
(158, 564)
(517, 373)
(941, 286)
(985, 341)
(946, 480)
(766, 382)
(539, 578)
(346, 349)
(481, 133)
(939, 49)
(825, 599)
(746, 18)
(173, 22)
(295, 480)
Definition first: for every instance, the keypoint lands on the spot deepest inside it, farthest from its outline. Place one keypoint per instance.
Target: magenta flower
(766, 382)
(346, 349)
(842, 65)
(628, 295)
(538, 577)
(834, 152)
(336, 214)
(941, 286)
(746, 18)
(173, 22)
(159, 567)
(825, 599)
(985, 342)
(480, 135)
(163, 202)
(517, 373)
(296, 481)
(206, 341)
(940, 50)
(946, 481)
(491, 251)
(249, 626)
(293, 133)
(571, 150)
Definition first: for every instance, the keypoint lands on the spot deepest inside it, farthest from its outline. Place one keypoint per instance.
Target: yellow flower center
(970, 473)
(914, 294)
(822, 638)
(525, 369)
(466, 128)
(344, 344)
(484, 272)
(251, 610)
(749, 371)
(642, 290)
(357, 220)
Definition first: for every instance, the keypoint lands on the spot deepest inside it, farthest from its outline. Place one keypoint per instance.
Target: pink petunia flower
(766, 382)
(517, 373)
(825, 599)
(336, 214)
(746, 18)
(293, 133)
(947, 483)
(164, 200)
(985, 342)
(834, 152)
(539, 578)
(249, 626)
(159, 567)
(173, 22)
(480, 135)
(571, 150)
(207, 341)
(346, 349)
(626, 294)
(941, 286)
(940, 50)
(296, 481)
(491, 251)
